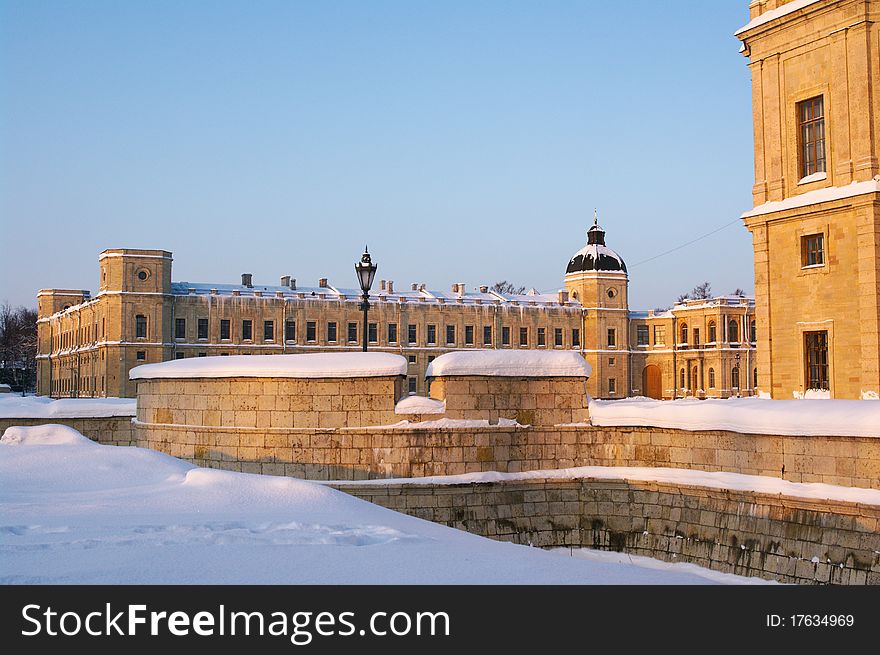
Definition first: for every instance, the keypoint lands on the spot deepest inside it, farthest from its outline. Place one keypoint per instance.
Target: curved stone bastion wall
(773, 536)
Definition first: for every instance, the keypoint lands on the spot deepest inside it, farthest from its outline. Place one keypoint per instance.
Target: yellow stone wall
(829, 48)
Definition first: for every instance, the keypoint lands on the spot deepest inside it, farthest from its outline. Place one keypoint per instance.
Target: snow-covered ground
(72, 511)
(818, 418)
(16, 406)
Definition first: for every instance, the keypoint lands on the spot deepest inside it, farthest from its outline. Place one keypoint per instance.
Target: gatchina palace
(815, 227)
(87, 345)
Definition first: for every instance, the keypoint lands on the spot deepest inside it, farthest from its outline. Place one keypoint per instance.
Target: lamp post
(738, 375)
(366, 271)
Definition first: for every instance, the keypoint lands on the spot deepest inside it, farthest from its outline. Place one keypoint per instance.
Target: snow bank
(818, 418)
(690, 477)
(43, 435)
(15, 406)
(310, 365)
(419, 405)
(513, 363)
(111, 515)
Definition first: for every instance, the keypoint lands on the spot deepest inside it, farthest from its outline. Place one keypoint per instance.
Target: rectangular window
(224, 329)
(203, 354)
(268, 330)
(575, 338)
(430, 358)
(696, 336)
(412, 359)
(557, 336)
(816, 359)
(290, 331)
(487, 335)
(450, 335)
(524, 337)
(411, 333)
(352, 332)
(469, 335)
(180, 328)
(505, 336)
(612, 386)
(178, 355)
(140, 326)
(392, 333)
(612, 338)
(412, 385)
(331, 331)
(659, 335)
(247, 330)
(432, 334)
(373, 332)
(641, 335)
(311, 331)
(141, 355)
(811, 135)
(813, 250)
(542, 336)
(610, 361)
(203, 328)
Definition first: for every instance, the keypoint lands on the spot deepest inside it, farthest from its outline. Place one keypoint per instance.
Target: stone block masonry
(109, 431)
(793, 540)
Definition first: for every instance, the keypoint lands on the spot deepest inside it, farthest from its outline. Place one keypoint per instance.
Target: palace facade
(88, 344)
(815, 224)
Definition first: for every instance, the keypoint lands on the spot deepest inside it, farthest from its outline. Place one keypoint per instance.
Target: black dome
(596, 256)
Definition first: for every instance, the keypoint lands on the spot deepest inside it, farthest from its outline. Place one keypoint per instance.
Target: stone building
(87, 345)
(815, 68)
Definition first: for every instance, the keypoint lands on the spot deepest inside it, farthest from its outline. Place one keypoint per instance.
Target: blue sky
(464, 141)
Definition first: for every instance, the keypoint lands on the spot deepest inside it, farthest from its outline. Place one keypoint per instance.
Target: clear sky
(464, 141)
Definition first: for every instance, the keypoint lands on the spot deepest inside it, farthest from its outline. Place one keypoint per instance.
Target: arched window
(681, 376)
(713, 332)
(733, 332)
(140, 326)
(734, 378)
(755, 378)
(684, 333)
(753, 332)
(711, 378)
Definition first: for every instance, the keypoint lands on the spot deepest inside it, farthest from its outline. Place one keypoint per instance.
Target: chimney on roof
(390, 286)
(322, 283)
(415, 287)
(285, 280)
(484, 288)
(381, 285)
(461, 288)
(247, 280)
(422, 286)
(563, 296)
(293, 283)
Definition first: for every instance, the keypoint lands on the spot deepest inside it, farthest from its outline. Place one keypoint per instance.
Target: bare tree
(699, 292)
(506, 287)
(18, 347)
(739, 292)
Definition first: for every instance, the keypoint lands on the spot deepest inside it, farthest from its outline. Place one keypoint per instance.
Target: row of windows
(86, 384)
(734, 378)
(353, 329)
(642, 334)
(85, 334)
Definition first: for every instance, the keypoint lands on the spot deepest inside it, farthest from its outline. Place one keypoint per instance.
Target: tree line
(18, 347)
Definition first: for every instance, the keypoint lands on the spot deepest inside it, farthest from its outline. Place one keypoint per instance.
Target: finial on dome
(595, 216)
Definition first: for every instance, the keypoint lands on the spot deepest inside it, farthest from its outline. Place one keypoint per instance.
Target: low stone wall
(529, 401)
(110, 431)
(249, 402)
(360, 453)
(747, 533)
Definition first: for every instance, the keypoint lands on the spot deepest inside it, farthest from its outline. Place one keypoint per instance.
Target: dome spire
(596, 235)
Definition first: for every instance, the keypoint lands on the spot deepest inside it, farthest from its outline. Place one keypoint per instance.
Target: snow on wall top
(309, 365)
(812, 418)
(813, 197)
(773, 14)
(420, 405)
(15, 406)
(513, 363)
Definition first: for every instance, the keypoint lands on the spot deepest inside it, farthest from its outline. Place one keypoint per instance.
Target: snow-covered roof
(307, 365)
(773, 14)
(512, 363)
(814, 197)
(16, 406)
(333, 293)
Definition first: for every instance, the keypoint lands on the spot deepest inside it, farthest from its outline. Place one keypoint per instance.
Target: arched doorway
(652, 381)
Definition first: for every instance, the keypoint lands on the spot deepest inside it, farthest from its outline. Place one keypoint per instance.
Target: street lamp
(738, 375)
(366, 271)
